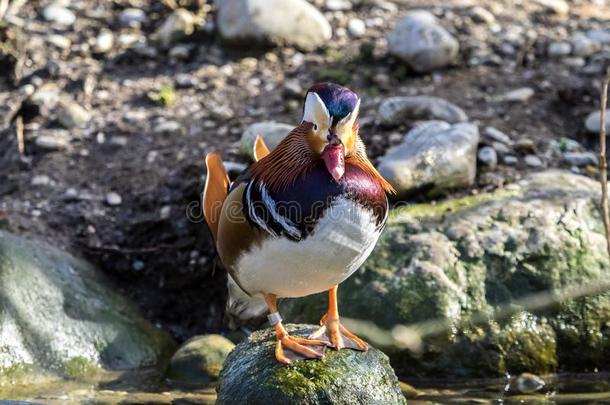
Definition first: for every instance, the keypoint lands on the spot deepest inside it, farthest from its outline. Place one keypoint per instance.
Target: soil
(155, 245)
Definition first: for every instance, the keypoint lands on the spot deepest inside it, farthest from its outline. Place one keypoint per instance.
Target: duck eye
(315, 126)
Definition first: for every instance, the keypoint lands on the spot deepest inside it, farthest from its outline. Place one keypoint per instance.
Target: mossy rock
(450, 268)
(60, 317)
(198, 361)
(253, 376)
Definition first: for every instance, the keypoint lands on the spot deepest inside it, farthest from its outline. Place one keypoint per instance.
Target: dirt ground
(154, 244)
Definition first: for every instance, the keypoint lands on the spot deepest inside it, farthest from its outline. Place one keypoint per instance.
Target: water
(146, 387)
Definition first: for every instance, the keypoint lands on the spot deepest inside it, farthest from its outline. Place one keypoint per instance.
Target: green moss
(529, 345)
(446, 207)
(80, 368)
(305, 377)
(165, 96)
(15, 372)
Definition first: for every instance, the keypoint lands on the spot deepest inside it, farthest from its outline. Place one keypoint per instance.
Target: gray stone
(495, 135)
(61, 317)
(489, 257)
(132, 17)
(338, 5)
(103, 42)
(58, 14)
(356, 27)
(70, 114)
(53, 140)
(41, 180)
(533, 161)
(272, 132)
(347, 377)
(584, 46)
(500, 148)
(526, 383)
(574, 62)
(518, 95)
(405, 109)
(580, 158)
(510, 160)
(59, 41)
(559, 49)
(601, 36)
(482, 15)
(179, 25)
(435, 156)
(169, 128)
(488, 156)
(420, 41)
(593, 122)
(289, 22)
(559, 7)
(180, 52)
(198, 361)
(114, 199)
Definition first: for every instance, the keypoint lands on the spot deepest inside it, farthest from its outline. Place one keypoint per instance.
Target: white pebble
(113, 199)
(356, 27)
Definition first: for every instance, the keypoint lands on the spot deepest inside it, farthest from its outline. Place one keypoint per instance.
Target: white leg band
(274, 318)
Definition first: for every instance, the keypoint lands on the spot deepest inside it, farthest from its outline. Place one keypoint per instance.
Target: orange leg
(333, 331)
(291, 348)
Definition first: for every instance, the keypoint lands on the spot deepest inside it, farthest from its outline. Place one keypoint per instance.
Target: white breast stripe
(252, 213)
(286, 223)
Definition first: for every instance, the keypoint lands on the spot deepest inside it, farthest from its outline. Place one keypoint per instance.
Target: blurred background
(107, 109)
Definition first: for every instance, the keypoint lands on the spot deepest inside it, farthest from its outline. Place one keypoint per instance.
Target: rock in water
(289, 22)
(434, 156)
(402, 109)
(451, 260)
(422, 42)
(272, 132)
(253, 376)
(199, 361)
(59, 315)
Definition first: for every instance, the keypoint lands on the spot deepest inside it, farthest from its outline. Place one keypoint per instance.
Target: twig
(19, 131)
(603, 163)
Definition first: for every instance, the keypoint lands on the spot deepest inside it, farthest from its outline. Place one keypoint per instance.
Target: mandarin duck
(300, 220)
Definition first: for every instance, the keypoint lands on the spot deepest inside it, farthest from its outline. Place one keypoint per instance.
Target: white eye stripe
(316, 112)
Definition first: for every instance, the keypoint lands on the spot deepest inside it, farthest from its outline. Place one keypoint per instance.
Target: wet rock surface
(59, 315)
(473, 255)
(252, 375)
(199, 361)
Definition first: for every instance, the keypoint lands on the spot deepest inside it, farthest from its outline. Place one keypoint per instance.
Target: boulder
(198, 361)
(477, 282)
(284, 22)
(272, 132)
(434, 157)
(422, 42)
(252, 375)
(58, 315)
(400, 110)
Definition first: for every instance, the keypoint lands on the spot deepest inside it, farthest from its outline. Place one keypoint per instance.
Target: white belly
(339, 244)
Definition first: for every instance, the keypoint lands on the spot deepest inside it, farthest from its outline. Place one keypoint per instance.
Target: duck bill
(334, 158)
